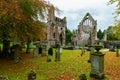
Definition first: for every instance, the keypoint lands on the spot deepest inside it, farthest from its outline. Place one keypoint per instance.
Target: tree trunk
(16, 53)
(6, 48)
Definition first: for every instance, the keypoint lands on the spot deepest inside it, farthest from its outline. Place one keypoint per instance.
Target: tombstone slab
(97, 65)
(35, 52)
(57, 54)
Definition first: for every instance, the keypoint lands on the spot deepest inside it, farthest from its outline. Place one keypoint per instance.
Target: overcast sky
(75, 10)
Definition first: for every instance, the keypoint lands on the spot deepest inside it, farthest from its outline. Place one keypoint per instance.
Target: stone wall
(56, 31)
(87, 31)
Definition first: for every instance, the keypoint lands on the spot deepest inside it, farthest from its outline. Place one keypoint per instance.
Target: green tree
(100, 34)
(111, 33)
(68, 36)
(21, 20)
(116, 27)
(117, 30)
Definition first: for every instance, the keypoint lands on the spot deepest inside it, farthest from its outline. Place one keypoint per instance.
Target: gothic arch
(87, 30)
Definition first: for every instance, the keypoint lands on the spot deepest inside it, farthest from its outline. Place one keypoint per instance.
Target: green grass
(71, 62)
(71, 65)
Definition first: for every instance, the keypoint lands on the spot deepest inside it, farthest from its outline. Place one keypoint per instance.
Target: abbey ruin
(87, 31)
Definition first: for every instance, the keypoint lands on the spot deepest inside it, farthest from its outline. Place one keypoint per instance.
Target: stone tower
(56, 30)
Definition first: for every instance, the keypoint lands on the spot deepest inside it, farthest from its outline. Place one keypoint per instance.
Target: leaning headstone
(82, 51)
(32, 75)
(35, 52)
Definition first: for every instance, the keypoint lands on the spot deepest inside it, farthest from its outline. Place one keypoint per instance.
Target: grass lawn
(69, 68)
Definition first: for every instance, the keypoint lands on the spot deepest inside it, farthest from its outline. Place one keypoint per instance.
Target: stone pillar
(97, 65)
(57, 53)
(44, 49)
(36, 51)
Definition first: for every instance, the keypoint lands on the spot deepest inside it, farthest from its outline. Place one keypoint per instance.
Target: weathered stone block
(97, 65)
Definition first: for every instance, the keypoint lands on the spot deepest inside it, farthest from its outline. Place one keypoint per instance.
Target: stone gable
(87, 31)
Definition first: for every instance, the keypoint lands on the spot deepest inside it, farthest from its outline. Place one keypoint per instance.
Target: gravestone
(97, 64)
(44, 48)
(60, 50)
(2, 77)
(39, 45)
(32, 75)
(35, 52)
(82, 51)
(50, 54)
(57, 53)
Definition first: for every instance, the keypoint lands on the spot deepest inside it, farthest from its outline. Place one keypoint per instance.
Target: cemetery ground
(69, 68)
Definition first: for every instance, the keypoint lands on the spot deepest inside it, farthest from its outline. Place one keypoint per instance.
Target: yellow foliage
(20, 22)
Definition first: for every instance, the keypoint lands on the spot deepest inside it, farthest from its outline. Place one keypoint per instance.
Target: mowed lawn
(69, 68)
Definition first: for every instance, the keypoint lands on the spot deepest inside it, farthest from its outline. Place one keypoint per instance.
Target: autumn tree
(111, 33)
(21, 20)
(117, 18)
(69, 34)
(117, 6)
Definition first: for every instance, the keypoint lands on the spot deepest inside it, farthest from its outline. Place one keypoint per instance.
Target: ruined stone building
(56, 30)
(87, 31)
